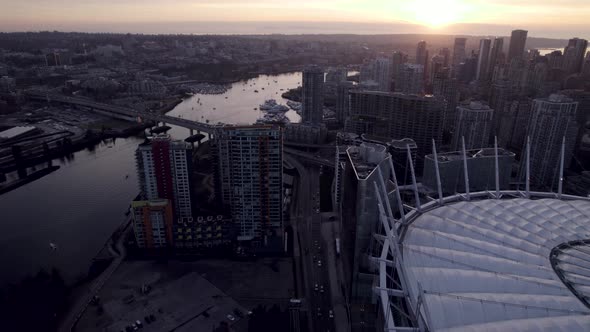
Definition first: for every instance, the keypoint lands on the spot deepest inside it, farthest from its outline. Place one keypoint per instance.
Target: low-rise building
(206, 231)
(307, 133)
(480, 167)
(152, 223)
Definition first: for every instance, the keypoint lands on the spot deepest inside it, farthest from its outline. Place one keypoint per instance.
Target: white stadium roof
(501, 265)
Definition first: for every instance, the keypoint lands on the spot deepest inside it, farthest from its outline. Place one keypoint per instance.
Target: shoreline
(82, 143)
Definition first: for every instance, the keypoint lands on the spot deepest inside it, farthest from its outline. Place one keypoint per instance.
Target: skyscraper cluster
(397, 116)
(248, 190)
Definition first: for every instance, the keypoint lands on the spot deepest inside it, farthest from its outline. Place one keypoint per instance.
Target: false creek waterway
(78, 206)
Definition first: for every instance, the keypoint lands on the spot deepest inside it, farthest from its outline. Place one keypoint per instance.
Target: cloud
(563, 16)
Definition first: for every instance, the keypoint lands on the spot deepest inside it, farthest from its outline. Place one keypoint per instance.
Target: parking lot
(181, 297)
(178, 299)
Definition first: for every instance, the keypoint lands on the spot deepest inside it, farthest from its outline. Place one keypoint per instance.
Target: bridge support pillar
(191, 134)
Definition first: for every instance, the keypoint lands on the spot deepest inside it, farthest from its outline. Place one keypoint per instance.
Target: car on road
(315, 287)
(230, 317)
(331, 314)
(319, 311)
(319, 263)
(321, 288)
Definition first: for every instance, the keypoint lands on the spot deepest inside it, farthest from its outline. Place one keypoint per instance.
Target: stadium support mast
(560, 186)
(528, 167)
(497, 173)
(398, 197)
(440, 195)
(465, 172)
(416, 196)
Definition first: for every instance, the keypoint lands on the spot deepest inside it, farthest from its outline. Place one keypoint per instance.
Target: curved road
(78, 308)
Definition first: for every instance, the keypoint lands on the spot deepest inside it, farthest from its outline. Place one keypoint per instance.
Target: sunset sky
(543, 18)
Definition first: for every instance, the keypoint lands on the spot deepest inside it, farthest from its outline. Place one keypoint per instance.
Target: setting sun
(436, 13)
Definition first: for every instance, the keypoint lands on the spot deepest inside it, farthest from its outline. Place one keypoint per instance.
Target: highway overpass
(308, 157)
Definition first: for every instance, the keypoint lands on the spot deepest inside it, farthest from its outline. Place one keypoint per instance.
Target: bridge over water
(122, 111)
(139, 116)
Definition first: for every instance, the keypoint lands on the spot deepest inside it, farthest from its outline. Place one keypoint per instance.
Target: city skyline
(474, 17)
(265, 165)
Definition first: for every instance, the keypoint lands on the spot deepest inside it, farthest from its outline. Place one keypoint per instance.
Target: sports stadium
(484, 261)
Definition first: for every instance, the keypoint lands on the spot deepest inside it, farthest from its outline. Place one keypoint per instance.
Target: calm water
(238, 107)
(79, 206)
(76, 207)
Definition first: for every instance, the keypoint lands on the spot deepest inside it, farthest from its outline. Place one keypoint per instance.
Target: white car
(321, 288)
(230, 317)
(320, 263)
(331, 314)
(315, 287)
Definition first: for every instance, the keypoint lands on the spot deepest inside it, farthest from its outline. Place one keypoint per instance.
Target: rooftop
(501, 265)
(366, 157)
(396, 94)
(476, 153)
(178, 299)
(15, 131)
(475, 106)
(558, 98)
(403, 143)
